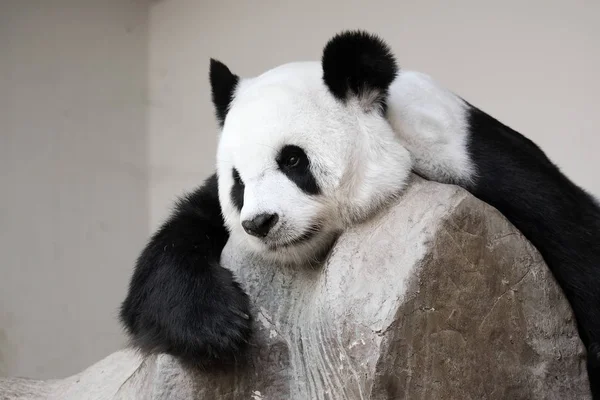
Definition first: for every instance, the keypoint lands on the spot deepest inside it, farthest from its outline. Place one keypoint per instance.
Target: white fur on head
(355, 160)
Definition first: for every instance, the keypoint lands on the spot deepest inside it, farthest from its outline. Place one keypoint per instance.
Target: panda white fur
(309, 165)
(309, 149)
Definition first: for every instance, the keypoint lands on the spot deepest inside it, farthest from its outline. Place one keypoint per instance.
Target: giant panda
(308, 149)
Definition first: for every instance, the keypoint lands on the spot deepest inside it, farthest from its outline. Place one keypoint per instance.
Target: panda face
(297, 162)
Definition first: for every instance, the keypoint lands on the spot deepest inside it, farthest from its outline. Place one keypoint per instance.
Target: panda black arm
(181, 301)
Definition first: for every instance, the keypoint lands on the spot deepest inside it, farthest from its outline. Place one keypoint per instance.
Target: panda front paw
(223, 323)
(200, 314)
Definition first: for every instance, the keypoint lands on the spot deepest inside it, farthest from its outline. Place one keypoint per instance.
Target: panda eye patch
(237, 190)
(292, 157)
(294, 163)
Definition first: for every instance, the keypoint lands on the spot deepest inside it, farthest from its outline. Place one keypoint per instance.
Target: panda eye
(292, 158)
(292, 161)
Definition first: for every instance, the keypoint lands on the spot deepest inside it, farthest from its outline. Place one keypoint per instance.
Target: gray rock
(437, 298)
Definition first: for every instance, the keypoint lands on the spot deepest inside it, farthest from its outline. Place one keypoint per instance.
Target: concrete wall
(532, 64)
(73, 178)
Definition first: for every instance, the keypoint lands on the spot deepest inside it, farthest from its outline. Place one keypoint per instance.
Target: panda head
(305, 149)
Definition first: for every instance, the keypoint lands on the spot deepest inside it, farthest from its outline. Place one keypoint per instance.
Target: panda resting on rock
(309, 149)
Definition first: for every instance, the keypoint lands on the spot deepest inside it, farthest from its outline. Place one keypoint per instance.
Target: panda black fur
(357, 104)
(180, 300)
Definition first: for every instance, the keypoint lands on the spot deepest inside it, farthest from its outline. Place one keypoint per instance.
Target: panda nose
(260, 225)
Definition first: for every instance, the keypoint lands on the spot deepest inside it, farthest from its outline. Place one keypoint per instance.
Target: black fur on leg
(180, 300)
(558, 217)
(593, 369)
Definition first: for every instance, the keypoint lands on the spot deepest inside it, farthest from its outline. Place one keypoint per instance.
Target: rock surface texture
(438, 297)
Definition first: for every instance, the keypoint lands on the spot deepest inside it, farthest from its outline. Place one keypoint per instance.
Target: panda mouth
(306, 236)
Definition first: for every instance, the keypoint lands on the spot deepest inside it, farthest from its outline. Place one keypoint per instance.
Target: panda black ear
(223, 83)
(357, 63)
